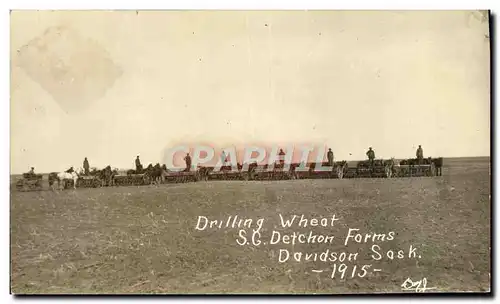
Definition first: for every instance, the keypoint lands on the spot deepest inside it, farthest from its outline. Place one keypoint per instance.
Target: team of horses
(155, 174)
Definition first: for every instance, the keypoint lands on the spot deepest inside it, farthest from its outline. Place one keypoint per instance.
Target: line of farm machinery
(253, 172)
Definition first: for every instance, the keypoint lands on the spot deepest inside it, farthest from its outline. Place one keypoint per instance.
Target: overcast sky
(111, 85)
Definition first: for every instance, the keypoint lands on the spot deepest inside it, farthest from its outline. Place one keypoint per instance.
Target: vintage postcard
(246, 152)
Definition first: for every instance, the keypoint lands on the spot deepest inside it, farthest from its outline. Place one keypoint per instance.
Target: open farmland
(143, 239)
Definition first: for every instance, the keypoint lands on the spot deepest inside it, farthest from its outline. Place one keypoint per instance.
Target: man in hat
(188, 162)
(281, 157)
(138, 166)
(32, 171)
(329, 155)
(86, 166)
(371, 155)
(420, 155)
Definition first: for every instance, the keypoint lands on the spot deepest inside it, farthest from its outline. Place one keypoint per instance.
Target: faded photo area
(241, 152)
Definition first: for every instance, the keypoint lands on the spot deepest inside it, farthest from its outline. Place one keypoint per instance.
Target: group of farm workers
(281, 158)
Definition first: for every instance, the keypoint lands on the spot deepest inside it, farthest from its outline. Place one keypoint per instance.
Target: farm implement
(415, 168)
(370, 169)
(131, 180)
(181, 177)
(86, 182)
(30, 182)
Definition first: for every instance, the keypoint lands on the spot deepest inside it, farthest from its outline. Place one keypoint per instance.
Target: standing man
(138, 166)
(32, 171)
(86, 166)
(188, 162)
(371, 155)
(330, 157)
(420, 154)
(281, 157)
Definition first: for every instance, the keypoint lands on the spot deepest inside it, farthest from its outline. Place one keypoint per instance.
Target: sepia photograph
(176, 152)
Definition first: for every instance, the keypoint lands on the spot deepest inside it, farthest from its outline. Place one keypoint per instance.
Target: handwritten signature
(417, 286)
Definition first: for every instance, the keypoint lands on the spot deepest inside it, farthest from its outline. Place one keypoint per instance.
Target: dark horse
(156, 173)
(438, 163)
(107, 176)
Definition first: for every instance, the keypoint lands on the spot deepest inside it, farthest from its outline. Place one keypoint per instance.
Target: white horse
(80, 171)
(63, 177)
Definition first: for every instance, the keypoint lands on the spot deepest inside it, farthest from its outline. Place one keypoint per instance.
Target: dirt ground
(143, 239)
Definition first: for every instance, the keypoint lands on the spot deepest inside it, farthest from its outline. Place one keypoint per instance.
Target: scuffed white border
(6, 5)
